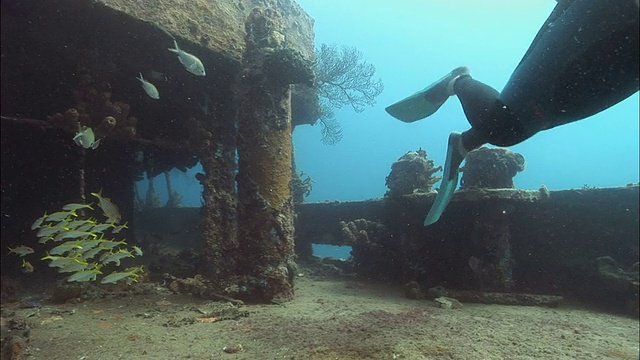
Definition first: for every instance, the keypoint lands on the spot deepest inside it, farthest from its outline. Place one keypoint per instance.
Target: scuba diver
(583, 60)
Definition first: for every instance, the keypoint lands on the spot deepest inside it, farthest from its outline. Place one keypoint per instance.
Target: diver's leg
(457, 148)
(477, 100)
(491, 121)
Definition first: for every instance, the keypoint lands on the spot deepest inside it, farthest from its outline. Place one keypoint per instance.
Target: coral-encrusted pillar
(219, 247)
(265, 208)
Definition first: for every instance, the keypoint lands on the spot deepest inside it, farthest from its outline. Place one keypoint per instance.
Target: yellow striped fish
(109, 209)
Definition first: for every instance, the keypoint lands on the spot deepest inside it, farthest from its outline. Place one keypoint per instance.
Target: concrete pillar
(265, 208)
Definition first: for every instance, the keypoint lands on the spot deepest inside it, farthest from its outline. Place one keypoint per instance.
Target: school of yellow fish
(83, 246)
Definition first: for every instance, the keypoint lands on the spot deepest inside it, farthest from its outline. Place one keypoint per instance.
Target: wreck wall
(556, 240)
(61, 54)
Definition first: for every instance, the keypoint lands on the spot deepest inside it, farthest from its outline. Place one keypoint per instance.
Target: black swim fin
(427, 101)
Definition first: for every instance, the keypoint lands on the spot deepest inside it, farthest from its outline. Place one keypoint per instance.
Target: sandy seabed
(328, 319)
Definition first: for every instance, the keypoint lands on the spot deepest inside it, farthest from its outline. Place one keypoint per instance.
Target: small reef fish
(85, 275)
(46, 233)
(74, 234)
(60, 261)
(21, 250)
(119, 228)
(74, 207)
(137, 250)
(190, 62)
(89, 244)
(110, 244)
(100, 228)
(115, 257)
(74, 224)
(36, 224)
(86, 138)
(93, 252)
(109, 209)
(26, 266)
(65, 247)
(86, 227)
(60, 216)
(74, 266)
(149, 88)
(119, 275)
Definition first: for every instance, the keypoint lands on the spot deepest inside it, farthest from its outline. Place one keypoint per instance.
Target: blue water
(413, 43)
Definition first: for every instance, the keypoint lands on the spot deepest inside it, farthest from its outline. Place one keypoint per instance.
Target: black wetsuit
(583, 60)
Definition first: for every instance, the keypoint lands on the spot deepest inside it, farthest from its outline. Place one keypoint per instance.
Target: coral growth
(300, 187)
(374, 251)
(412, 173)
(492, 168)
(96, 110)
(617, 283)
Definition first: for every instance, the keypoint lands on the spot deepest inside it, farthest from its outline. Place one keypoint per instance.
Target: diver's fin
(427, 101)
(455, 154)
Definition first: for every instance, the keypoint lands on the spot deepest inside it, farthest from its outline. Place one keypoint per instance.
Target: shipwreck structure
(68, 66)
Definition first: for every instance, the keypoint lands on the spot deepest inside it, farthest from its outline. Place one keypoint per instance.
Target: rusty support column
(265, 208)
(217, 153)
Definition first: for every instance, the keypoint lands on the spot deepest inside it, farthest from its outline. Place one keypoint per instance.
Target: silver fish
(149, 88)
(21, 250)
(190, 62)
